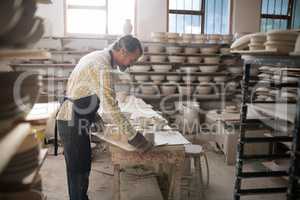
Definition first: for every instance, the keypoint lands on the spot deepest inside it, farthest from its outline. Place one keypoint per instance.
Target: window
(96, 17)
(199, 16)
(296, 15)
(276, 14)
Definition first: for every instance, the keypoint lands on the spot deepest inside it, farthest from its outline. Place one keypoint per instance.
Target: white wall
(151, 17)
(54, 17)
(246, 16)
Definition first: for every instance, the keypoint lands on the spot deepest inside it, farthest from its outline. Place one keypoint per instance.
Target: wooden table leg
(116, 186)
(172, 183)
(177, 181)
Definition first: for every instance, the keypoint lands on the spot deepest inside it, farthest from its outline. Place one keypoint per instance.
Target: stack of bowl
(187, 37)
(176, 59)
(227, 39)
(281, 41)
(210, 50)
(203, 88)
(159, 37)
(212, 60)
(140, 68)
(168, 89)
(199, 38)
(23, 163)
(257, 41)
(214, 38)
(186, 90)
(20, 91)
(191, 50)
(173, 50)
(172, 37)
(155, 49)
(161, 68)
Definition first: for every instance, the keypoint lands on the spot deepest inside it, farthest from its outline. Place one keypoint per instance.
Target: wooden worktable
(168, 150)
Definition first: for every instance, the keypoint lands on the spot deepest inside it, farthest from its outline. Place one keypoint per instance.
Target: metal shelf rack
(291, 188)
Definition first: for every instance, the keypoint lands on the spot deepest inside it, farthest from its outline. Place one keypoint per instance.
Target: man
(89, 87)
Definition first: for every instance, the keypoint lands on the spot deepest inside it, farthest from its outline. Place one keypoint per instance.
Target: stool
(195, 153)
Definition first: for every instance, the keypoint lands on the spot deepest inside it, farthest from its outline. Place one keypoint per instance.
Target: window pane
(284, 24)
(180, 24)
(285, 6)
(118, 12)
(188, 24)
(263, 25)
(180, 5)
(197, 4)
(271, 6)
(86, 21)
(172, 4)
(86, 2)
(264, 9)
(217, 17)
(196, 24)
(172, 23)
(188, 5)
(296, 17)
(278, 7)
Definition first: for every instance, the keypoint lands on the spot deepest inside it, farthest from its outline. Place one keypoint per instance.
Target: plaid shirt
(95, 75)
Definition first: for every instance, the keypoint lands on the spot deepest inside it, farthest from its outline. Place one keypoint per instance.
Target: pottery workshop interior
(149, 99)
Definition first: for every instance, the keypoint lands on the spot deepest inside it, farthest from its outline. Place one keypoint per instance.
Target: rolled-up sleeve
(101, 78)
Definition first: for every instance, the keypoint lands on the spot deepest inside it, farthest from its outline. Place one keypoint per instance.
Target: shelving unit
(175, 68)
(285, 112)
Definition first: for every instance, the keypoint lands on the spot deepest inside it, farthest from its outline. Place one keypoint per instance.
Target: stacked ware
(19, 26)
(159, 37)
(270, 74)
(281, 41)
(257, 41)
(20, 91)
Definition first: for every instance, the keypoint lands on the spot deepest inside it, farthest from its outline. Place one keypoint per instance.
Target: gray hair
(129, 43)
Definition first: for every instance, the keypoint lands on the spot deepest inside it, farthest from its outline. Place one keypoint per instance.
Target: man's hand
(140, 142)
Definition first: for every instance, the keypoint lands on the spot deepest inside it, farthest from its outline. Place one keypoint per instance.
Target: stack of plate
(19, 26)
(19, 91)
(281, 41)
(23, 163)
(172, 37)
(159, 37)
(257, 41)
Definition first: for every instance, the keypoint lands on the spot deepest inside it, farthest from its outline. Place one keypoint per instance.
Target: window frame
(200, 13)
(288, 17)
(66, 33)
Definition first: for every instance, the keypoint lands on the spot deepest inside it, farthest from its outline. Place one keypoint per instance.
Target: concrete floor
(221, 184)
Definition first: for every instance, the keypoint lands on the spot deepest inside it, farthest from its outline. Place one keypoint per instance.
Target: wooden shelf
(281, 111)
(42, 65)
(182, 73)
(24, 54)
(185, 44)
(10, 142)
(198, 97)
(172, 63)
(182, 54)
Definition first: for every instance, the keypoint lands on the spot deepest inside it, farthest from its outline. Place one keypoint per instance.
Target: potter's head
(126, 51)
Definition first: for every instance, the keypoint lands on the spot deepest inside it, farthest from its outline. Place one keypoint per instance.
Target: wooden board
(162, 141)
(281, 111)
(7, 54)
(42, 111)
(259, 52)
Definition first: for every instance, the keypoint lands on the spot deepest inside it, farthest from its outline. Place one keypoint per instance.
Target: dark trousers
(77, 152)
